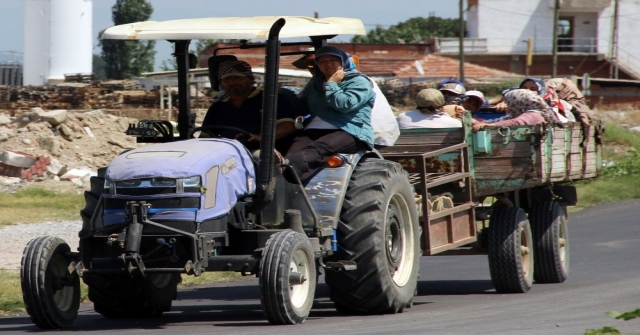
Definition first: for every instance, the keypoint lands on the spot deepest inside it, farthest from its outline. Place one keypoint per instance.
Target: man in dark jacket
(242, 108)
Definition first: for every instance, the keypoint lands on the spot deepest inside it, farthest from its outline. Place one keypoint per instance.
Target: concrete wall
(628, 46)
(506, 24)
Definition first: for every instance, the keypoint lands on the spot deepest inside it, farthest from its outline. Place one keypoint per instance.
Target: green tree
(126, 59)
(414, 30)
(98, 67)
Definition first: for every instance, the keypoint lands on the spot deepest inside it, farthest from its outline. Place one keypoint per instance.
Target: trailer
(503, 191)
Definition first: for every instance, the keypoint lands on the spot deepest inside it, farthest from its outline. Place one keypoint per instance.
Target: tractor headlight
(192, 181)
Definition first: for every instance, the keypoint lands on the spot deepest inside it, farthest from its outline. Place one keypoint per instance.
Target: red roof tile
(393, 61)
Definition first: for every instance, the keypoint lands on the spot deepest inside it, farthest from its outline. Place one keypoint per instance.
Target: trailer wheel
(551, 242)
(510, 250)
(120, 296)
(50, 293)
(287, 278)
(379, 230)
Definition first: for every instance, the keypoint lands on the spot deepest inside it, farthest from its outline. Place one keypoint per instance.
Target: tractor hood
(225, 169)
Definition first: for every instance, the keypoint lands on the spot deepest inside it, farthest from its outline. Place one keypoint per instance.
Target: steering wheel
(208, 130)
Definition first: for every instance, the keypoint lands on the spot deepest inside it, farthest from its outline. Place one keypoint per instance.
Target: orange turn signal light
(335, 161)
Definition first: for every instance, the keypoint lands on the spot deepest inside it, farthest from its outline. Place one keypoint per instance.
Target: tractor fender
(326, 189)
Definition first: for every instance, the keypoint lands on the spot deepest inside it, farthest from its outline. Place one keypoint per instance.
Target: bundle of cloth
(566, 90)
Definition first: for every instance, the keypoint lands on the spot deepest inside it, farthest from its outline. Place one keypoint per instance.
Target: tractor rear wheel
(50, 293)
(379, 230)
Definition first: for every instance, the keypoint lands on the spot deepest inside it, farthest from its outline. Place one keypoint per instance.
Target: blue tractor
(185, 205)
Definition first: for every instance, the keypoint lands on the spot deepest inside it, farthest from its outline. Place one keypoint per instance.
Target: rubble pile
(59, 145)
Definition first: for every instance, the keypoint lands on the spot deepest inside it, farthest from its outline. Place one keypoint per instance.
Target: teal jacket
(346, 105)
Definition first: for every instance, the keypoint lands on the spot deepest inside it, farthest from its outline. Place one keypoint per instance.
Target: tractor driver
(242, 108)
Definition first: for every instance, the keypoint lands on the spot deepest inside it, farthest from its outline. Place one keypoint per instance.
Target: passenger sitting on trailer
(242, 108)
(561, 108)
(473, 101)
(525, 108)
(429, 112)
(567, 91)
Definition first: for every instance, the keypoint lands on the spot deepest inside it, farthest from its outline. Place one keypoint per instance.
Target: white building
(584, 26)
(57, 40)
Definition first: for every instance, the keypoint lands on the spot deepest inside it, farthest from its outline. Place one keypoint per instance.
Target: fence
(10, 73)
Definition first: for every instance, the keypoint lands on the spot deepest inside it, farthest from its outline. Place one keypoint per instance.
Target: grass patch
(615, 134)
(606, 190)
(10, 292)
(36, 204)
(208, 277)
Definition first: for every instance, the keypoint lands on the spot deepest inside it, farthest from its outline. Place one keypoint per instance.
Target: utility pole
(613, 67)
(554, 52)
(461, 41)
(529, 55)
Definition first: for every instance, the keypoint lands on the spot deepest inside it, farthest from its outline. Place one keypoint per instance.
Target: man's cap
(430, 98)
(452, 85)
(301, 63)
(235, 68)
(474, 95)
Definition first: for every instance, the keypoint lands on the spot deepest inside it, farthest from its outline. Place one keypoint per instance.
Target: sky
(371, 12)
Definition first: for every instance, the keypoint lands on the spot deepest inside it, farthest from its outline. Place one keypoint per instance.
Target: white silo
(36, 42)
(71, 37)
(58, 40)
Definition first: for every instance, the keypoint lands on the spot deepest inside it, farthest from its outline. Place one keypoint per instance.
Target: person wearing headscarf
(561, 108)
(525, 108)
(534, 84)
(383, 120)
(338, 100)
(429, 112)
(500, 106)
(568, 92)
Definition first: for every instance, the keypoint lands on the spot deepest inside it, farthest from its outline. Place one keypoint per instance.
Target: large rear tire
(120, 296)
(50, 293)
(287, 278)
(510, 250)
(378, 229)
(551, 242)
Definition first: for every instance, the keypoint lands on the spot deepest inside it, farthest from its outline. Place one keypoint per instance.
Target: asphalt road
(455, 296)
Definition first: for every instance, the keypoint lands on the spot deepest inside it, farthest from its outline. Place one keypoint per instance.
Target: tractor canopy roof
(239, 28)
